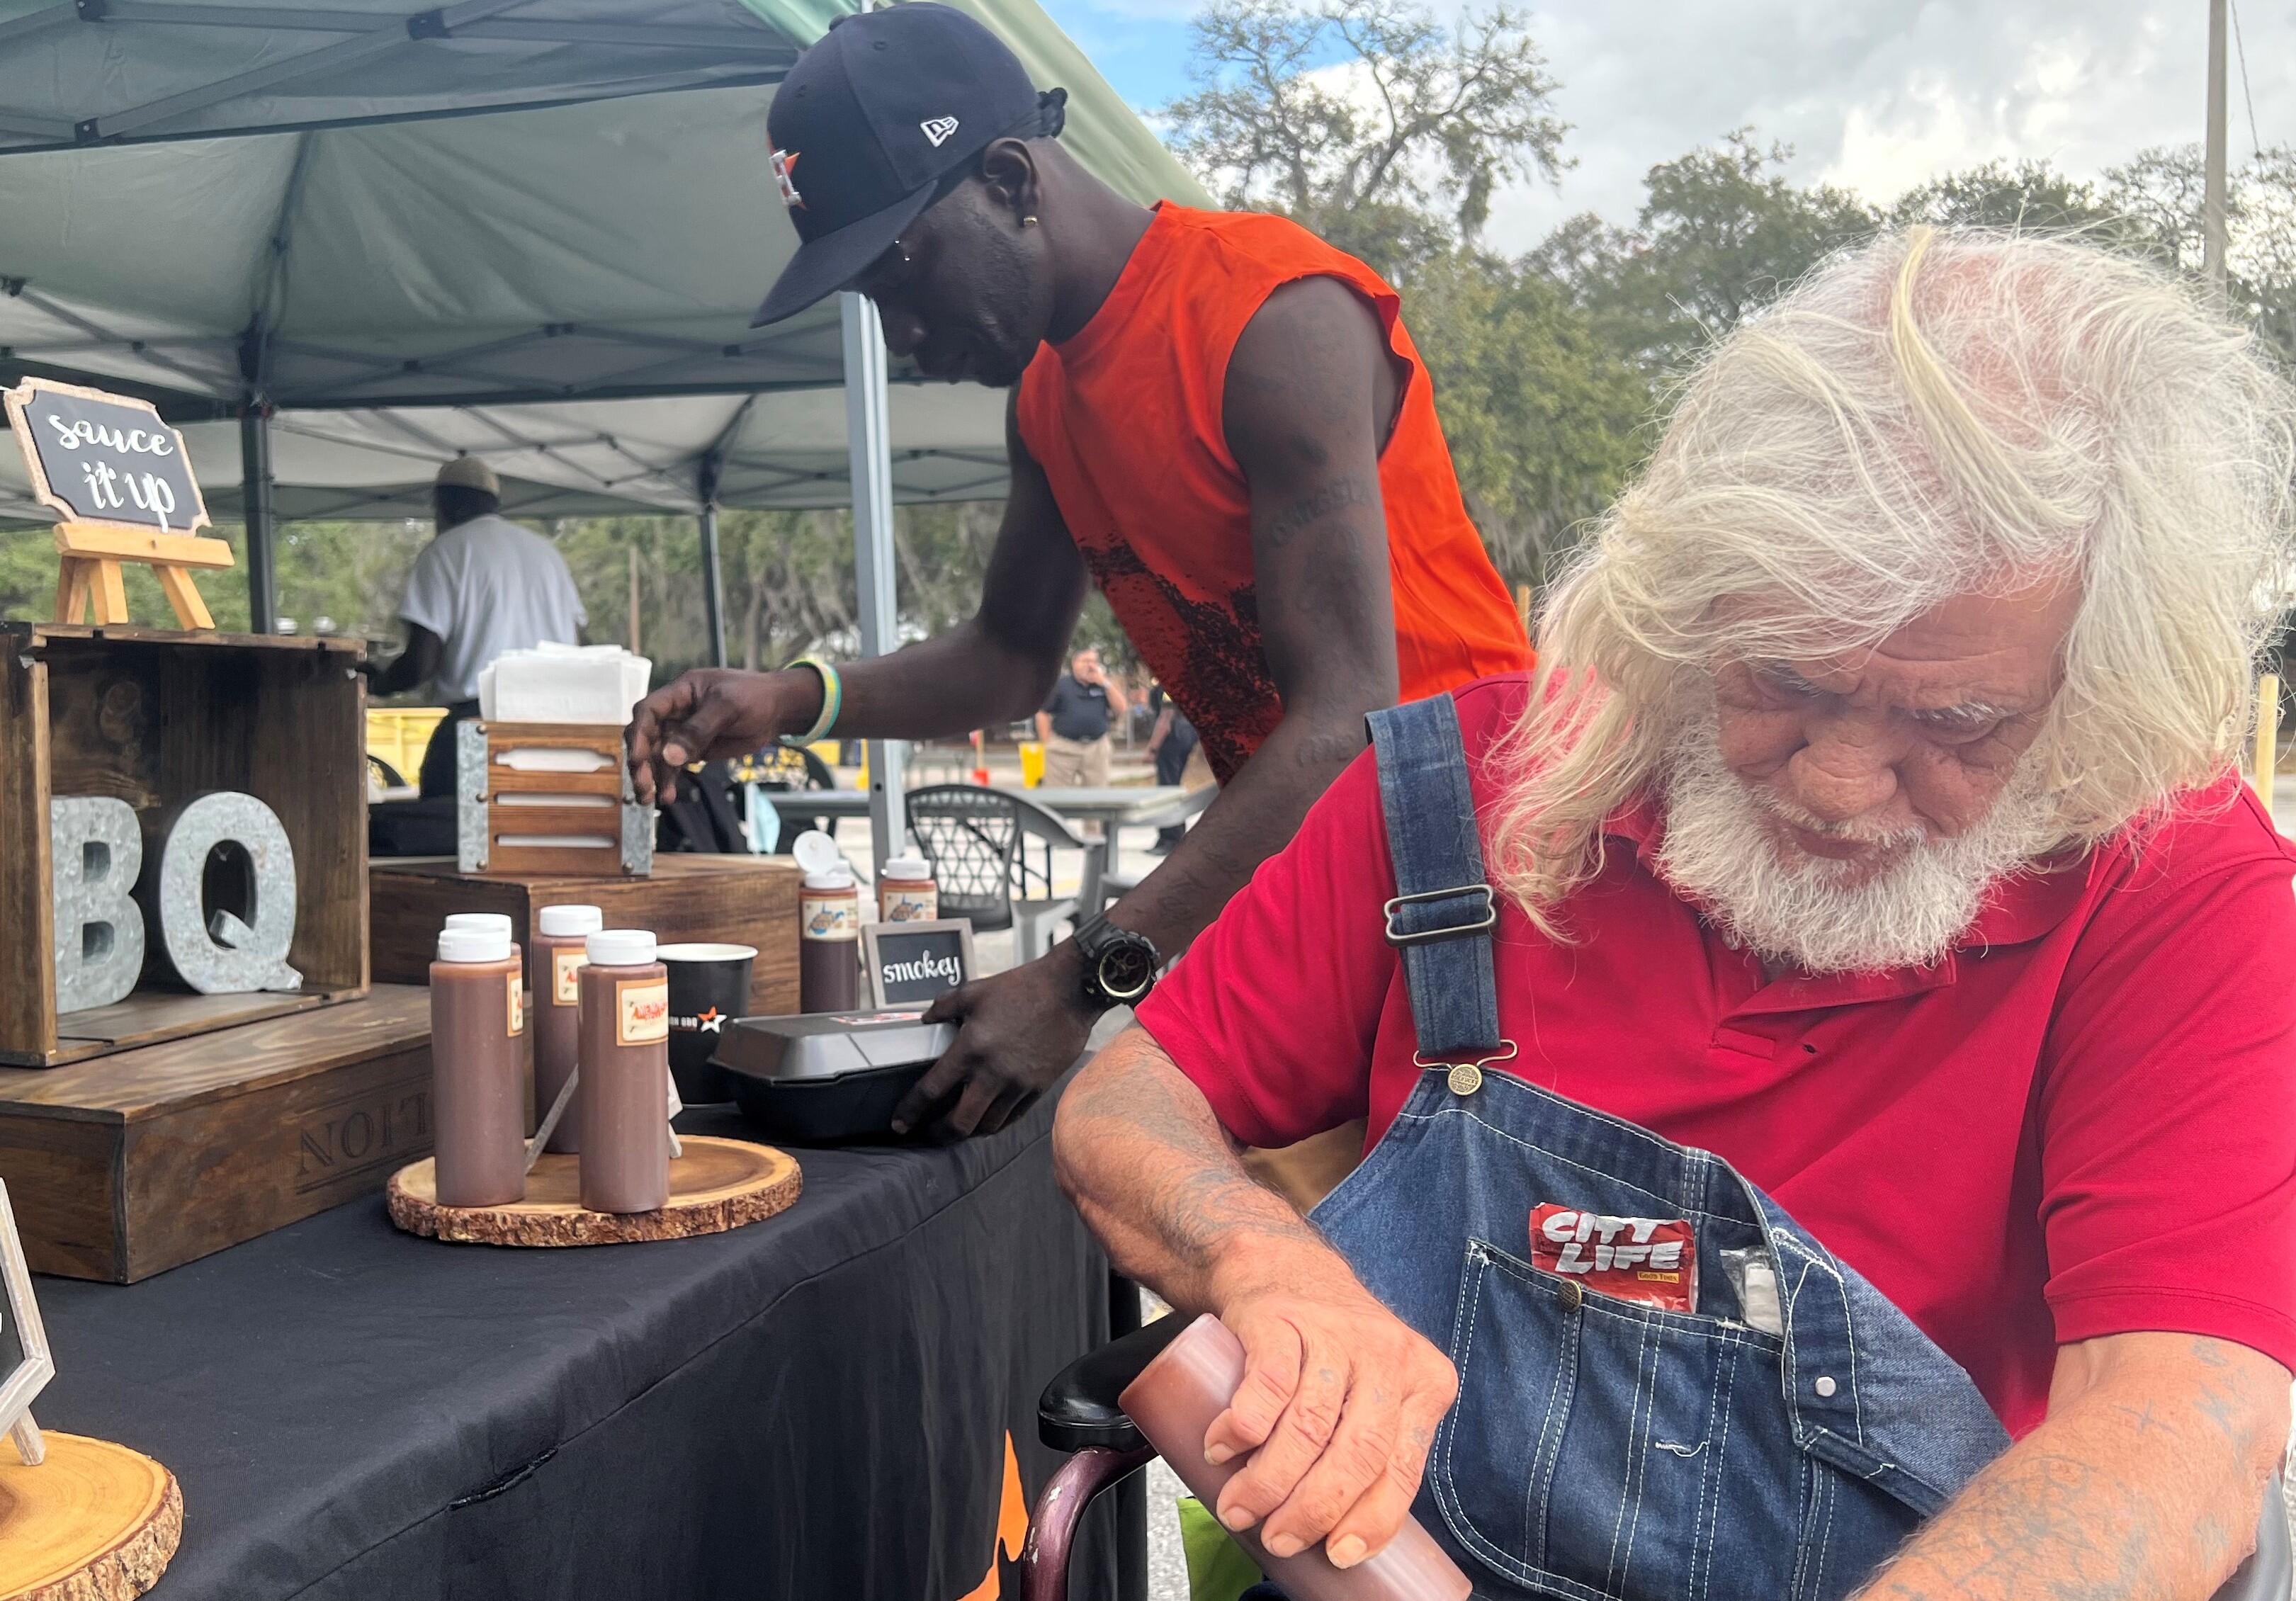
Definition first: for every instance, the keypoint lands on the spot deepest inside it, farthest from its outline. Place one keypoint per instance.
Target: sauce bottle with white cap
(828, 927)
(494, 920)
(624, 1089)
(905, 890)
(478, 1110)
(559, 950)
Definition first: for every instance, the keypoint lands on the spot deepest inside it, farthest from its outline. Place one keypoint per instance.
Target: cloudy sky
(1876, 94)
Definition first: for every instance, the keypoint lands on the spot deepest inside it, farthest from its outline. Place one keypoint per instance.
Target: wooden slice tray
(95, 1522)
(717, 1185)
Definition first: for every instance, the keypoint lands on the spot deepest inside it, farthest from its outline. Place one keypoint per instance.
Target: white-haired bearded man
(1854, 1145)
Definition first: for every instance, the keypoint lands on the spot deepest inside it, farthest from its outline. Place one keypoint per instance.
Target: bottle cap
(815, 852)
(560, 921)
(836, 878)
(907, 866)
(480, 920)
(619, 948)
(474, 944)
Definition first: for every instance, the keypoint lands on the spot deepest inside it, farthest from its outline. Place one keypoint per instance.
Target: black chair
(1078, 1413)
(991, 855)
(785, 768)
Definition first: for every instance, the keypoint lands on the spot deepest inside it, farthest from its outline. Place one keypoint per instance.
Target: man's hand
(713, 713)
(1338, 1404)
(1339, 1400)
(1020, 1030)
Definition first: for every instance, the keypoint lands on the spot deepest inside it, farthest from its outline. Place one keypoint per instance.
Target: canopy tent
(332, 222)
(776, 449)
(346, 220)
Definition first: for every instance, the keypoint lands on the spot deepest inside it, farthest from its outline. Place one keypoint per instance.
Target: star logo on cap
(938, 129)
(712, 1022)
(784, 164)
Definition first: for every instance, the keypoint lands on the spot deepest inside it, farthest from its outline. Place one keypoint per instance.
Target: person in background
(1169, 746)
(482, 586)
(1074, 724)
(1218, 418)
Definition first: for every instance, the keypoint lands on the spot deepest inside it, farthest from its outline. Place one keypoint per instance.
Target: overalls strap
(1444, 908)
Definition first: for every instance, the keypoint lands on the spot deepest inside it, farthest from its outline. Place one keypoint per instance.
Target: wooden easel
(93, 557)
(129, 458)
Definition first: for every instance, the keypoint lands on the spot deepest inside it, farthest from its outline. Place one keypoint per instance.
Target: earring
(1027, 222)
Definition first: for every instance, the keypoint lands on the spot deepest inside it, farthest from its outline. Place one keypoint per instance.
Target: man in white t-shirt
(483, 587)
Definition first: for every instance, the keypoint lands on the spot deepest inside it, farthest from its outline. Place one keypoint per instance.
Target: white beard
(1819, 915)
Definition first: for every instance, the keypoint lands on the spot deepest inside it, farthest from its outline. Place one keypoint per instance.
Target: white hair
(1928, 416)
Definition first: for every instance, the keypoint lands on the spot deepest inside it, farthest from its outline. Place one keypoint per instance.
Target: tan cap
(468, 472)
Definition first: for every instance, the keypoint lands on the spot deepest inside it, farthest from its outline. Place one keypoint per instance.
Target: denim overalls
(1601, 1448)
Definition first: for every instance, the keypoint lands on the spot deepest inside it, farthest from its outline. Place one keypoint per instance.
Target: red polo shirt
(2082, 1122)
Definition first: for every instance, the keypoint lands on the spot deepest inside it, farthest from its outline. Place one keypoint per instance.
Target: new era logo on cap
(938, 129)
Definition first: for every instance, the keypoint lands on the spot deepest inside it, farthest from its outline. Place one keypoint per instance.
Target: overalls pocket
(1599, 1448)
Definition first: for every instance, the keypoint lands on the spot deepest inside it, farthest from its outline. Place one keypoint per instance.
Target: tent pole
(255, 504)
(868, 435)
(713, 577)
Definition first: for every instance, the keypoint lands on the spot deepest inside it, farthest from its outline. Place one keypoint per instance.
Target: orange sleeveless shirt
(1125, 419)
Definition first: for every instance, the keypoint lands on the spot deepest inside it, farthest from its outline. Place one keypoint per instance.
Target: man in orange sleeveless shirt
(1220, 420)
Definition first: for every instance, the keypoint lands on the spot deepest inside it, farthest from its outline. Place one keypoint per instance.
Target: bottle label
(565, 989)
(830, 917)
(920, 905)
(516, 1004)
(641, 1011)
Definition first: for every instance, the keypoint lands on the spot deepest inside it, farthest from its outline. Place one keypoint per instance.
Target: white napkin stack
(564, 683)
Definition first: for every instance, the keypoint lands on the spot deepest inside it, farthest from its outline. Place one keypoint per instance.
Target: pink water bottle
(1174, 1401)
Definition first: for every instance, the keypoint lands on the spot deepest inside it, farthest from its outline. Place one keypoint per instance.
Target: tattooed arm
(2147, 1481)
(1310, 397)
(1311, 393)
(1339, 1399)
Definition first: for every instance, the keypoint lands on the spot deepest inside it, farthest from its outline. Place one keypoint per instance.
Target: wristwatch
(1120, 963)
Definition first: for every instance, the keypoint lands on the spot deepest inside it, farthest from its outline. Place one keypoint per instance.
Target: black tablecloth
(813, 1406)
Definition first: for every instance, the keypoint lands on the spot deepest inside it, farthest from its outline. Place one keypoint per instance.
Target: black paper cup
(709, 985)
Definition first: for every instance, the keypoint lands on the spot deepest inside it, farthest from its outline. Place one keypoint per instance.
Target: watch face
(1127, 970)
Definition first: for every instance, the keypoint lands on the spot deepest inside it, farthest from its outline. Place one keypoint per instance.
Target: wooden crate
(126, 1167)
(153, 716)
(744, 899)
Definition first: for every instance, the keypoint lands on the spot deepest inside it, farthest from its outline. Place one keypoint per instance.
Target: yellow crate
(399, 734)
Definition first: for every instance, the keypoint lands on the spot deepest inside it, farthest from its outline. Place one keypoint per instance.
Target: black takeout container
(823, 1077)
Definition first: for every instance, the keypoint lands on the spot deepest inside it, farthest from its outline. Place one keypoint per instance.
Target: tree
(2033, 196)
(1721, 232)
(2160, 192)
(1544, 417)
(1366, 120)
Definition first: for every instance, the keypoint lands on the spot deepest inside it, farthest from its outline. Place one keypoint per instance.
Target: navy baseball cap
(881, 118)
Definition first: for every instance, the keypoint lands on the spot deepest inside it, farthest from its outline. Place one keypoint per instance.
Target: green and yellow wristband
(833, 700)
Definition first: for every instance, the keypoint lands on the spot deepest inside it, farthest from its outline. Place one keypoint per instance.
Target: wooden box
(128, 1166)
(743, 899)
(153, 716)
(515, 822)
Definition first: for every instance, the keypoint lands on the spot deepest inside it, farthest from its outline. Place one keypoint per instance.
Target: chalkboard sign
(104, 458)
(909, 963)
